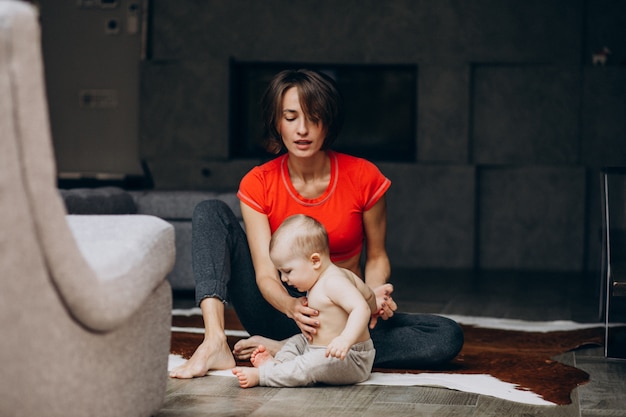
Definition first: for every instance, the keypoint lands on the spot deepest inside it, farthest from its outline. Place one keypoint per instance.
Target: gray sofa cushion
(177, 208)
(102, 200)
(179, 205)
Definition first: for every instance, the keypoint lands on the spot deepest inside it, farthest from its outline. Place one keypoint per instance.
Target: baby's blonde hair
(305, 235)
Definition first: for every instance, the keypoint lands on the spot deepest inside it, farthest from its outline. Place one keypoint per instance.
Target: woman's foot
(244, 348)
(209, 355)
(248, 377)
(260, 356)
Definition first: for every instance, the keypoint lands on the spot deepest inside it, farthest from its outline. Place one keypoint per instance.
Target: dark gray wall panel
(525, 114)
(531, 218)
(443, 97)
(605, 26)
(604, 116)
(184, 110)
(430, 215)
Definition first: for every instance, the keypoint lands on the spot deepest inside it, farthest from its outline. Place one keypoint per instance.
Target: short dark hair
(320, 99)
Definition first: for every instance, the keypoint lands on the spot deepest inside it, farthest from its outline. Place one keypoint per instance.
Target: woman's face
(301, 136)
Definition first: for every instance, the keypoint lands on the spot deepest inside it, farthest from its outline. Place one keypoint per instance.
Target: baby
(341, 351)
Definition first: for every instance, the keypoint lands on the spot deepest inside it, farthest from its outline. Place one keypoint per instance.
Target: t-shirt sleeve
(252, 190)
(375, 184)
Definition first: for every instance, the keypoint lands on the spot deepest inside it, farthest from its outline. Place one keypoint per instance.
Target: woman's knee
(211, 210)
(454, 339)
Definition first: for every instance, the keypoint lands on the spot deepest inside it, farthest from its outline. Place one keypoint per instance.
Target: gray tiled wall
(513, 123)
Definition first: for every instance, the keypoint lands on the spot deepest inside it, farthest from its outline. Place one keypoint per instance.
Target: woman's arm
(267, 278)
(377, 267)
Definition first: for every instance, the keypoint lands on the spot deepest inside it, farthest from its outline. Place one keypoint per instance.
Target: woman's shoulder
(265, 168)
(362, 178)
(346, 158)
(255, 183)
(271, 165)
(354, 164)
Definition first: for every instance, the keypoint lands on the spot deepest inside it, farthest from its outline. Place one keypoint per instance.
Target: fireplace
(380, 102)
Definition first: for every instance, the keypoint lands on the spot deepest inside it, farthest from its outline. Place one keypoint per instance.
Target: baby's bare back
(332, 317)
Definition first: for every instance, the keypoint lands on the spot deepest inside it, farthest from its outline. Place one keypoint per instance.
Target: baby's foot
(260, 356)
(244, 348)
(248, 377)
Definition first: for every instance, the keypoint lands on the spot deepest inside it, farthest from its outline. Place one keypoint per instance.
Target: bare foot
(260, 356)
(244, 348)
(209, 355)
(248, 377)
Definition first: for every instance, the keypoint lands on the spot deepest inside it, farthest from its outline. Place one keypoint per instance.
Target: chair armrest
(130, 256)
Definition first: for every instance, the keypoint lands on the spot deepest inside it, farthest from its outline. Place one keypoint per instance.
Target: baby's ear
(316, 260)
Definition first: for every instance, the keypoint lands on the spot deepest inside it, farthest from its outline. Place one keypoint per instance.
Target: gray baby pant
(301, 364)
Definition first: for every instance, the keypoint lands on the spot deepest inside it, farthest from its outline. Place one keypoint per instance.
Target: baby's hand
(338, 348)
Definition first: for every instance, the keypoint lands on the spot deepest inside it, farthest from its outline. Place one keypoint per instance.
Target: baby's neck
(326, 265)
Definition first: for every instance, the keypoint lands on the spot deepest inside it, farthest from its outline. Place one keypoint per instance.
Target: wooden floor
(536, 296)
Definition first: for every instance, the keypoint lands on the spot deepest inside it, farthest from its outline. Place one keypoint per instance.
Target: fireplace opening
(380, 101)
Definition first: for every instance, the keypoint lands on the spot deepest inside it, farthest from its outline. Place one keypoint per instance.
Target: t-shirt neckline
(334, 176)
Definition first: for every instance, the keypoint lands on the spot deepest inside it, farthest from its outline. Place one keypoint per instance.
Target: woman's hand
(305, 317)
(384, 303)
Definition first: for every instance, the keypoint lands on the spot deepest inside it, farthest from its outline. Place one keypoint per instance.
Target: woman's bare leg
(213, 352)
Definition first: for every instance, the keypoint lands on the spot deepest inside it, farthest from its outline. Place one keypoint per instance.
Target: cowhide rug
(507, 359)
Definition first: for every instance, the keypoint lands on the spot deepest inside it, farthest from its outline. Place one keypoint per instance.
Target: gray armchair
(85, 309)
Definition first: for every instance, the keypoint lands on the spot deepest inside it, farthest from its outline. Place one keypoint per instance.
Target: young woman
(303, 114)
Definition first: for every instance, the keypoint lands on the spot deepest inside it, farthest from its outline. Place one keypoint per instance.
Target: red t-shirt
(355, 186)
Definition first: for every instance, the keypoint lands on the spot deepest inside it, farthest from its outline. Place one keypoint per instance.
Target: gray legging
(223, 268)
